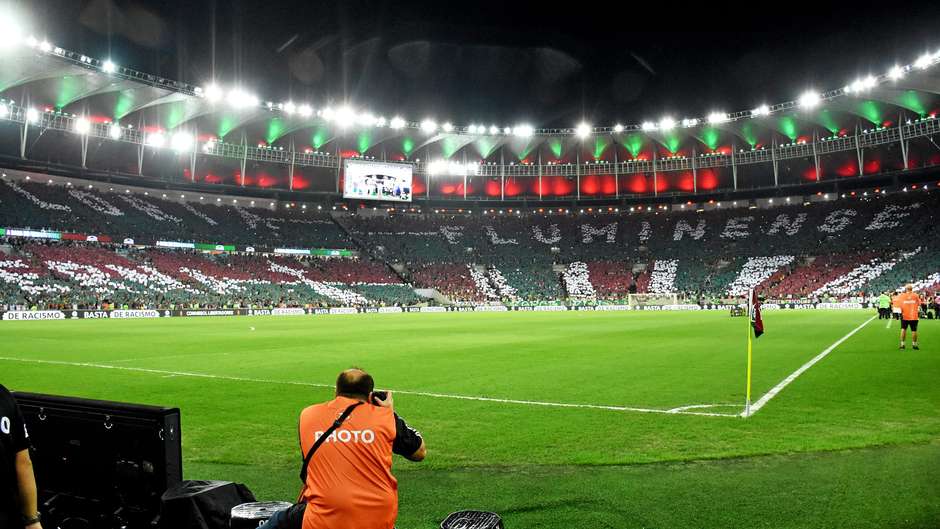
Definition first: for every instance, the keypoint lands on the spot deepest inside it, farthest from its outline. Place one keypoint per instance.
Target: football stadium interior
(551, 304)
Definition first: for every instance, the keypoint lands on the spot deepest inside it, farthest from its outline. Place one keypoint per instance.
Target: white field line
(755, 407)
(681, 410)
(888, 326)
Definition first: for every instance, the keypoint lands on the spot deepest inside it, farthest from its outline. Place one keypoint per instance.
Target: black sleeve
(18, 434)
(407, 439)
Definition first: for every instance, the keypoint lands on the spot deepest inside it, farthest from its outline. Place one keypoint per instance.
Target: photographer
(347, 446)
(17, 482)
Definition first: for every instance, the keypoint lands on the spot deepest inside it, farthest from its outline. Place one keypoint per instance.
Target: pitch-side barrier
(34, 315)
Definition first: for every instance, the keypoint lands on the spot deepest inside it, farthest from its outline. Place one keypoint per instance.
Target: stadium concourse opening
(550, 281)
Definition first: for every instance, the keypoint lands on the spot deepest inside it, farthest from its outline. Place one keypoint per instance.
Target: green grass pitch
(853, 442)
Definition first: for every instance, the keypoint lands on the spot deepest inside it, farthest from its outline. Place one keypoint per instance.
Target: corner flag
(754, 313)
(755, 322)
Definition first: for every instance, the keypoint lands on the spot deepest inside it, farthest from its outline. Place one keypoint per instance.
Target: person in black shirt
(17, 482)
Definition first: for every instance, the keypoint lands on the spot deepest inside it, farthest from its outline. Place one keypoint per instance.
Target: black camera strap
(336, 424)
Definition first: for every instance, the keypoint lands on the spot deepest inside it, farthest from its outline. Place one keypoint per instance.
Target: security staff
(17, 482)
(348, 479)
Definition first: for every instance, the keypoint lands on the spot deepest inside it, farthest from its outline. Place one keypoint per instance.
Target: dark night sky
(505, 64)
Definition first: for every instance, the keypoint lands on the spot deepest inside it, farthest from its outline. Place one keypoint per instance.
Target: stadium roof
(46, 77)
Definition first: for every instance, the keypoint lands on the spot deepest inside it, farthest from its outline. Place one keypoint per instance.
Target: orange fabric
(909, 302)
(349, 481)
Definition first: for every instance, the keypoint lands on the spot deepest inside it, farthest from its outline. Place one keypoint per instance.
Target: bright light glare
(717, 117)
(428, 126)
(114, 131)
(924, 61)
(618, 128)
(667, 123)
(213, 93)
(762, 110)
(583, 130)
(11, 33)
(241, 99)
(181, 141)
(397, 122)
(809, 99)
(82, 126)
(156, 139)
(523, 131)
(108, 67)
(32, 115)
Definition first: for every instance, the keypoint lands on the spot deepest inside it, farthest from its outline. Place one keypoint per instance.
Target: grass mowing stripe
(803, 368)
(680, 410)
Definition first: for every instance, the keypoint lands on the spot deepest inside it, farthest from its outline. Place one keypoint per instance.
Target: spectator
(348, 476)
(17, 482)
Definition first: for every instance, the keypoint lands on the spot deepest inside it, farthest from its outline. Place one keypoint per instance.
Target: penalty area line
(683, 410)
(774, 391)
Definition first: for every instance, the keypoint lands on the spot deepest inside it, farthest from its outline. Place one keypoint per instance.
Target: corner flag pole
(750, 314)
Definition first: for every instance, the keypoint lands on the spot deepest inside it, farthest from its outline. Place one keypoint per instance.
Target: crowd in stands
(160, 216)
(91, 276)
(839, 248)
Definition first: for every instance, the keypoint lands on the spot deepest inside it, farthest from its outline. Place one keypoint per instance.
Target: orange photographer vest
(349, 480)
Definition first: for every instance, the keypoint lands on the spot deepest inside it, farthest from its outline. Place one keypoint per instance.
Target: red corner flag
(756, 321)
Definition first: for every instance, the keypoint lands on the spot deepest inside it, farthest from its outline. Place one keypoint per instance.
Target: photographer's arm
(419, 454)
(408, 441)
(26, 482)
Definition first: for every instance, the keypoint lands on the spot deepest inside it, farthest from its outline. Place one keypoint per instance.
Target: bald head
(909, 287)
(354, 383)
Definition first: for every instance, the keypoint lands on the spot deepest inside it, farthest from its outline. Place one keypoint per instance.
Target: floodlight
(4, 111)
(397, 123)
(583, 130)
(447, 127)
(809, 99)
(380, 122)
(32, 115)
(618, 128)
(762, 110)
(156, 139)
(667, 123)
(305, 111)
(895, 73)
(82, 126)
(507, 131)
(648, 125)
(494, 129)
(108, 66)
(861, 85)
(114, 131)
(428, 126)
(10, 32)
(924, 61)
(240, 99)
(289, 108)
(366, 119)
(717, 117)
(523, 131)
(213, 93)
(181, 141)
(344, 117)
